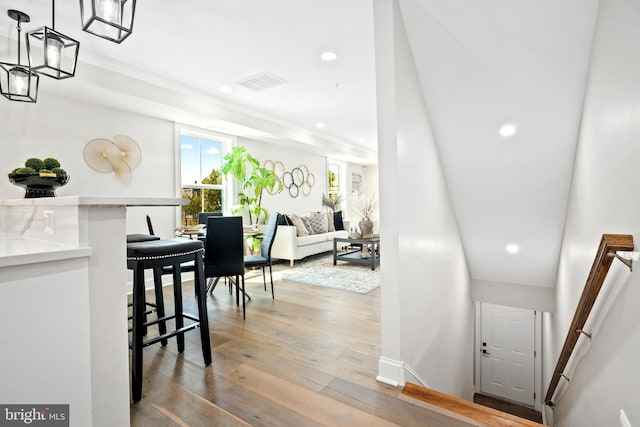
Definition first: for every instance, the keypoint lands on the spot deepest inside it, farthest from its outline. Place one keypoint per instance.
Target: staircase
(457, 407)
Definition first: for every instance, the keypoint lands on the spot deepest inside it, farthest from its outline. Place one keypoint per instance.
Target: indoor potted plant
(39, 178)
(254, 180)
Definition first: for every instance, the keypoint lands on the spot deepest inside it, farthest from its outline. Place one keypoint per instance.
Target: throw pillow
(301, 229)
(307, 223)
(318, 222)
(337, 220)
(332, 226)
(284, 220)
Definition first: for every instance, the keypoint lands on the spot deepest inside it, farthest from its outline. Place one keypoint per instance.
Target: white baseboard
(391, 372)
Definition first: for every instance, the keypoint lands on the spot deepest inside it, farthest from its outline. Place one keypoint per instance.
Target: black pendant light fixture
(18, 82)
(109, 19)
(50, 52)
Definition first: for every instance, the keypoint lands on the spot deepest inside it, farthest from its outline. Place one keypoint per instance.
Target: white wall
(603, 200)
(317, 165)
(284, 202)
(60, 127)
(427, 311)
(538, 298)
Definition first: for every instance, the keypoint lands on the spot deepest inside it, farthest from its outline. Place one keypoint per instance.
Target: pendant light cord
(53, 14)
(19, 30)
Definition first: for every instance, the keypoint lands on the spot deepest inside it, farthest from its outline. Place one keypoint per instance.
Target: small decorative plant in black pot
(40, 178)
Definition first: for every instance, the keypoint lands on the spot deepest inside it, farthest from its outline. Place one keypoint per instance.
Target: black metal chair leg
(157, 286)
(201, 299)
(244, 311)
(264, 279)
(138, 332)
(271, 278)
(177, 298)
(237, 290)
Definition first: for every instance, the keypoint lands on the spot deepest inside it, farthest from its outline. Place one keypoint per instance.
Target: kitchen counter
(63, 304)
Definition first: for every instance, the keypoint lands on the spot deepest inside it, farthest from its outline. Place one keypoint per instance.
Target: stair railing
(610, 244)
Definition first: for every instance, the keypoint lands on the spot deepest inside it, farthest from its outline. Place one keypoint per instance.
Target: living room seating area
(300, 236)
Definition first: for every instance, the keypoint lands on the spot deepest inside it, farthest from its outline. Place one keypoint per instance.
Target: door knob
(485, 352)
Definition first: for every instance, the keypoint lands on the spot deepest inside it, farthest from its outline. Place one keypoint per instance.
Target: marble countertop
(23, 234)
(20, 251)
(96, 201)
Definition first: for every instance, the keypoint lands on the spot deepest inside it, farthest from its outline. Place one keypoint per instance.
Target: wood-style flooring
(307, 358)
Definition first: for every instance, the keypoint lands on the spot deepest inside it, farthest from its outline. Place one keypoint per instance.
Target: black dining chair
(203, 216)
(150, 226)
(224, 253)
(185, 267)
(264, 259)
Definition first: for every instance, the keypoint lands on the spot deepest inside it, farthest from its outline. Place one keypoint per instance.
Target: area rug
(320, 271)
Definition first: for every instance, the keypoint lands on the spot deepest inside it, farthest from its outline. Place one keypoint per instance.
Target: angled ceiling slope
(483, 64)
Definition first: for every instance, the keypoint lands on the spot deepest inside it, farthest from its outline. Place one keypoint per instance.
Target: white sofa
(287, 245)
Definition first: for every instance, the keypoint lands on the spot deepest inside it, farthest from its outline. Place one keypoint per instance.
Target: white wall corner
(391, 372)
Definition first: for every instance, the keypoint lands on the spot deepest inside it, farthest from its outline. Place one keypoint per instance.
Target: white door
(507, 347)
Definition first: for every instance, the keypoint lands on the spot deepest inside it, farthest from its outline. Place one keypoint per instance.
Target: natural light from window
(201, 180)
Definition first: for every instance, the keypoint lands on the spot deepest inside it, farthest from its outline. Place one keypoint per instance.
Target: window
(200, 176)
(335, 189)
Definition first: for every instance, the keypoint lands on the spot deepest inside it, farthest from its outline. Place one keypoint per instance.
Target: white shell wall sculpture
(120, 156)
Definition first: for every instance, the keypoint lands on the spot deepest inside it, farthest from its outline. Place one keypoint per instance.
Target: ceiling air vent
(262, 81)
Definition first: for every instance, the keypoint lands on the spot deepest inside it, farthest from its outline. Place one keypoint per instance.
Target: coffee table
(355, 256)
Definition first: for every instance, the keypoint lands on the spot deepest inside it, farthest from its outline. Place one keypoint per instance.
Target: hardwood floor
(307, 358)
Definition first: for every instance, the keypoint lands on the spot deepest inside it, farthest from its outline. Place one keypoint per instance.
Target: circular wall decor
(120, 156)
(279, 169)
(297, 180)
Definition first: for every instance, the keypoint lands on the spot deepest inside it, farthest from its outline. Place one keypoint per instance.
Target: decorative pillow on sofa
(332, 226)
(318, 223)
(307, 223)
(301, 229)
(337, 220)
(284, 220)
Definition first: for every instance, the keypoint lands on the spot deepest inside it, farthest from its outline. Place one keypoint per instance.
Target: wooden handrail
(610, 244)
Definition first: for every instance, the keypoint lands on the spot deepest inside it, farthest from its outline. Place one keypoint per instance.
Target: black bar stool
(155, 254)
(137, 238)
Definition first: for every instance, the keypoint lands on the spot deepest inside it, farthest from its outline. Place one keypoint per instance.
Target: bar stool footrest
(178, 331)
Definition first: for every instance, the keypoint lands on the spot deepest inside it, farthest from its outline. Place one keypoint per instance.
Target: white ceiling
(486, 63)
(482, 63)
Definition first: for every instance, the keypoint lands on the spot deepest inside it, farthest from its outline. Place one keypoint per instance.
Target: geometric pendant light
(18, 82)
(109, 19)
(52, 53)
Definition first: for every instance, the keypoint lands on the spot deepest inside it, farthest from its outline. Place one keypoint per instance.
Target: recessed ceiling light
(329, 56)
(320, 125)
(225, 89)
(508, 130)
(512, 248)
